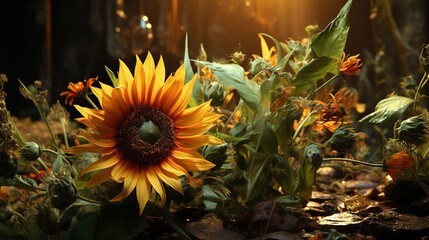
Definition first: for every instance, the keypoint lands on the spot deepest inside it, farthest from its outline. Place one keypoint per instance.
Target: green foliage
(316, 69)
(112, 76)
(388, 109)
(232, 76)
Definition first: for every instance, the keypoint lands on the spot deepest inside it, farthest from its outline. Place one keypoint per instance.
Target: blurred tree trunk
(400, 29)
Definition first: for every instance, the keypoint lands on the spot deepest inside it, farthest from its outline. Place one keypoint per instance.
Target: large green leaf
(390, 108)
(332, 40)
(316, 69)
(232, 75)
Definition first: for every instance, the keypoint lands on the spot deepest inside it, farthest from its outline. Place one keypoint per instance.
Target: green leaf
(278, 46)
(58, 164)
(332, 40)
(316, 69)
(232, 75)
(112, 76)
(197, 93)
(390, 108)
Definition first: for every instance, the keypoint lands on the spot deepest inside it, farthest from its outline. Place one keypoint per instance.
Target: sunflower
(145, 134)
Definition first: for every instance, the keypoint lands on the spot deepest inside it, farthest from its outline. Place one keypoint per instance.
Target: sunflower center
(146, 136)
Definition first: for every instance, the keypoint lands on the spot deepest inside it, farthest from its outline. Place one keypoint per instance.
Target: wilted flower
(215, 154)
(424, 58)
(76, 89)
(398, 162)
(8, 165)
(62, 191)
(414, 130)
(238, 57)
(348, 97)
(145, 134)
(31, 151)
(350, 65)
(332, 116)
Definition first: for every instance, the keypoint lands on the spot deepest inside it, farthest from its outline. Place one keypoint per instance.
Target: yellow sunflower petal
(197, 130)
(264, 47)
(124, 76)
(98, 93)
(183, 101)
(192, 116)
(149, 70)
(107, 90)
(89, 147)
(130, 183)
(156, 183)
(159, 77)
(140, 85)
(191, 142)
(99, 178)
(191, 163)
(98, 140)
(169, 178)
(143, 190)
(106, 161)
(170, 165)
(122, 170)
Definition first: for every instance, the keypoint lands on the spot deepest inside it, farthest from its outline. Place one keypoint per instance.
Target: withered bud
(343, 140)
(414, 130)
(215, 154)
(6, 212)
(31, 151)
(424, 58)
(8, 166)
(215, 92)
(314, 155)
(238, 57)
(62, 191)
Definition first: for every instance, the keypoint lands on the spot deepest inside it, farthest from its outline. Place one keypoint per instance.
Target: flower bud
(215, 154)
(215, 92)
(424, 58)
(258, 65)
(31, 151)
(313, 154)
(47, 219)
(62, 192)
(413, 130)
(343, 140)
(8, 166)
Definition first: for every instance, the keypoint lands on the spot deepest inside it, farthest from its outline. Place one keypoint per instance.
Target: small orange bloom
(332, 116)
(350, 65)
(399, 162)
(80, 88)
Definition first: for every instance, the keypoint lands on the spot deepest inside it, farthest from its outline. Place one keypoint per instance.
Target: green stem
(423, 81)
(79, 196)
(45, 120)
(322, 86)
(56, 153)
(301, 125)
(63, 125)
(91, 102)
(353, 161)
(232, 115)
(39, 160)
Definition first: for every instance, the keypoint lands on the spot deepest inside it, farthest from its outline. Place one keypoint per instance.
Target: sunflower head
(146, 135)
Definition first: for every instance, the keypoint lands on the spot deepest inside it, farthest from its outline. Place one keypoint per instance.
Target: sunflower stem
(63, 125)
(79, 196)
(423, 81)
(166, 214)
(91, 102)
(301, 125)
(39, 160)
(232, 115)
(353, 161)
(322, 86)
(47, 150)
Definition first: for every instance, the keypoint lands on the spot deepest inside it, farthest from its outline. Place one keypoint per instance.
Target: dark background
(68, 41)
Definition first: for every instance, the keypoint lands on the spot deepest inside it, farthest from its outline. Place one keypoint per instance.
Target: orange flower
(399, 162)
(351, 65)
(80, 88)
(348, 97)
(331, 117)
